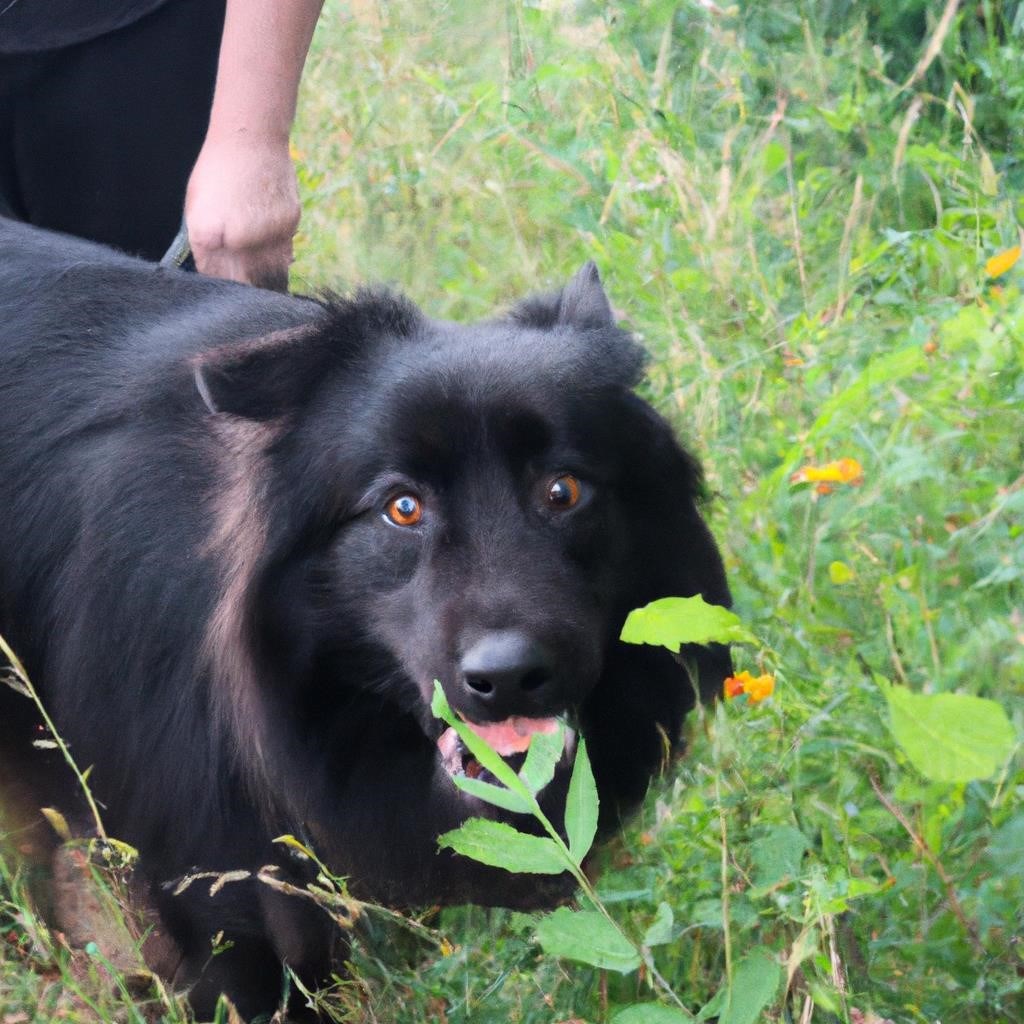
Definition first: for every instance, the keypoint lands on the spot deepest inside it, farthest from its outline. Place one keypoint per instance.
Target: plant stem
(19, 671)
(928, 855)
(726, 909)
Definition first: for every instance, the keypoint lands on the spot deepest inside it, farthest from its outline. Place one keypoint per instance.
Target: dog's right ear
(582, 304)
(264, 377)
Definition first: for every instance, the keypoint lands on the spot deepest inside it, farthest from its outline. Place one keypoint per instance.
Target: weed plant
(809, 212)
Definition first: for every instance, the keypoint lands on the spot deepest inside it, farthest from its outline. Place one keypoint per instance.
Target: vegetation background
(796, 205)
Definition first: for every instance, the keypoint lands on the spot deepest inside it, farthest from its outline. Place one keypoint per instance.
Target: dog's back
(115, 319)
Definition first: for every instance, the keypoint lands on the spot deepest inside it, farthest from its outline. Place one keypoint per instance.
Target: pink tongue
(514, 734)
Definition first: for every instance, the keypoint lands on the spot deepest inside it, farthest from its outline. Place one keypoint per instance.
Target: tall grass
(793, 204)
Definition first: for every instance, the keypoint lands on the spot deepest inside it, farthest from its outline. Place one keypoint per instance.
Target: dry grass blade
(934, 47)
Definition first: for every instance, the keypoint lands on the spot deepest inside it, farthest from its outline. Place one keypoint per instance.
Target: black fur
(197, 571)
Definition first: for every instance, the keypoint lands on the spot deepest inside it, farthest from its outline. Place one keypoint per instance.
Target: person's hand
(242, 209)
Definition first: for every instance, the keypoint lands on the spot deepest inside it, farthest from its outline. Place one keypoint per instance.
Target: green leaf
(498, 796)
(713, 1007)
(650, 1013)
(774, 158)
(949, 737)
(501, 846)
(542, 757)
(581, 806)
(488, 758)
(754, 982)
(840, 573)
(673, 621)
(660, 930)
(588, 937)
(777, 855)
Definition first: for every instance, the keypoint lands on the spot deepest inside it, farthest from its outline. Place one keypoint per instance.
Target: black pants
(98, 139)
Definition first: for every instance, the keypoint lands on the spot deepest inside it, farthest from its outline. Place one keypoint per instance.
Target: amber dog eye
(405, 510)
(563, 492)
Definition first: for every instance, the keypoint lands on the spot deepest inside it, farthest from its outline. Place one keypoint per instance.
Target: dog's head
(480, 505)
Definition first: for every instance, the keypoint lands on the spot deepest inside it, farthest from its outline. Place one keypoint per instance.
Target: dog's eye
(563, 492)
(405, 510)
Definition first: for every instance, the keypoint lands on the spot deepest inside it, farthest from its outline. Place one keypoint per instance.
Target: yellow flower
(757, 688)
(843, 471)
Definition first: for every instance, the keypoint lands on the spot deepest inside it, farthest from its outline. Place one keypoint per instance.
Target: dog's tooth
(569, 748)
(451, 749)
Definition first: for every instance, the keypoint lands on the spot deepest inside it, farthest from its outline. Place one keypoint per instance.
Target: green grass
(800, 239)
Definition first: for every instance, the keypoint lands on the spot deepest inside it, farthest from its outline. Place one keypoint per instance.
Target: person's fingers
(262, 267)
(242, 210)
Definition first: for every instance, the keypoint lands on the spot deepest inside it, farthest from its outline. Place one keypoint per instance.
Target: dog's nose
(505, 673)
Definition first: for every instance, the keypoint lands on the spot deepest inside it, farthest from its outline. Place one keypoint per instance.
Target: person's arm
(242, 203)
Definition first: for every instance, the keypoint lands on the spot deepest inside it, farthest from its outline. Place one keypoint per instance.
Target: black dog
(241, 534)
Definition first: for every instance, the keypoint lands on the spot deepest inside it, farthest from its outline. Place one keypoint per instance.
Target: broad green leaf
(777, 855)
(588, 937)
(949, 737)
(502, 846)
(754, 982)
(1006, 844)
(542, 758)
(713, 1007)
(488, 758)
(581, 806)
(660, 930)
(498, 796)
(673, 621)
(651, 1013)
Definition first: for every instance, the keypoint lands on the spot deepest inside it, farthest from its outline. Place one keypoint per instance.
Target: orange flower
(1002, 261)
(843, 471)
(757, 688)
(734, 685)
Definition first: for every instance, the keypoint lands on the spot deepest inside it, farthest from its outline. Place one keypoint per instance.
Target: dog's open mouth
(510, 738)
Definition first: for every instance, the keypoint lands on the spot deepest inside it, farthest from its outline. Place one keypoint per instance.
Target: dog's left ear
(582, 304)
(263, 377)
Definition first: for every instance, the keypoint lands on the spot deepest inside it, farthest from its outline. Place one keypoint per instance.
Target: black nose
(506, 673)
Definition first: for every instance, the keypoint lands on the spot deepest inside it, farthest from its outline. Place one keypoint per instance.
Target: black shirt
(31, 26)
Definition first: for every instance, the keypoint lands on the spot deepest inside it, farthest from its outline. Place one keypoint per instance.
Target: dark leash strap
(180, 252)
(6, 210)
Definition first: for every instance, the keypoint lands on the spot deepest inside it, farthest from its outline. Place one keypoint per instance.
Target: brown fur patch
(235, 542)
